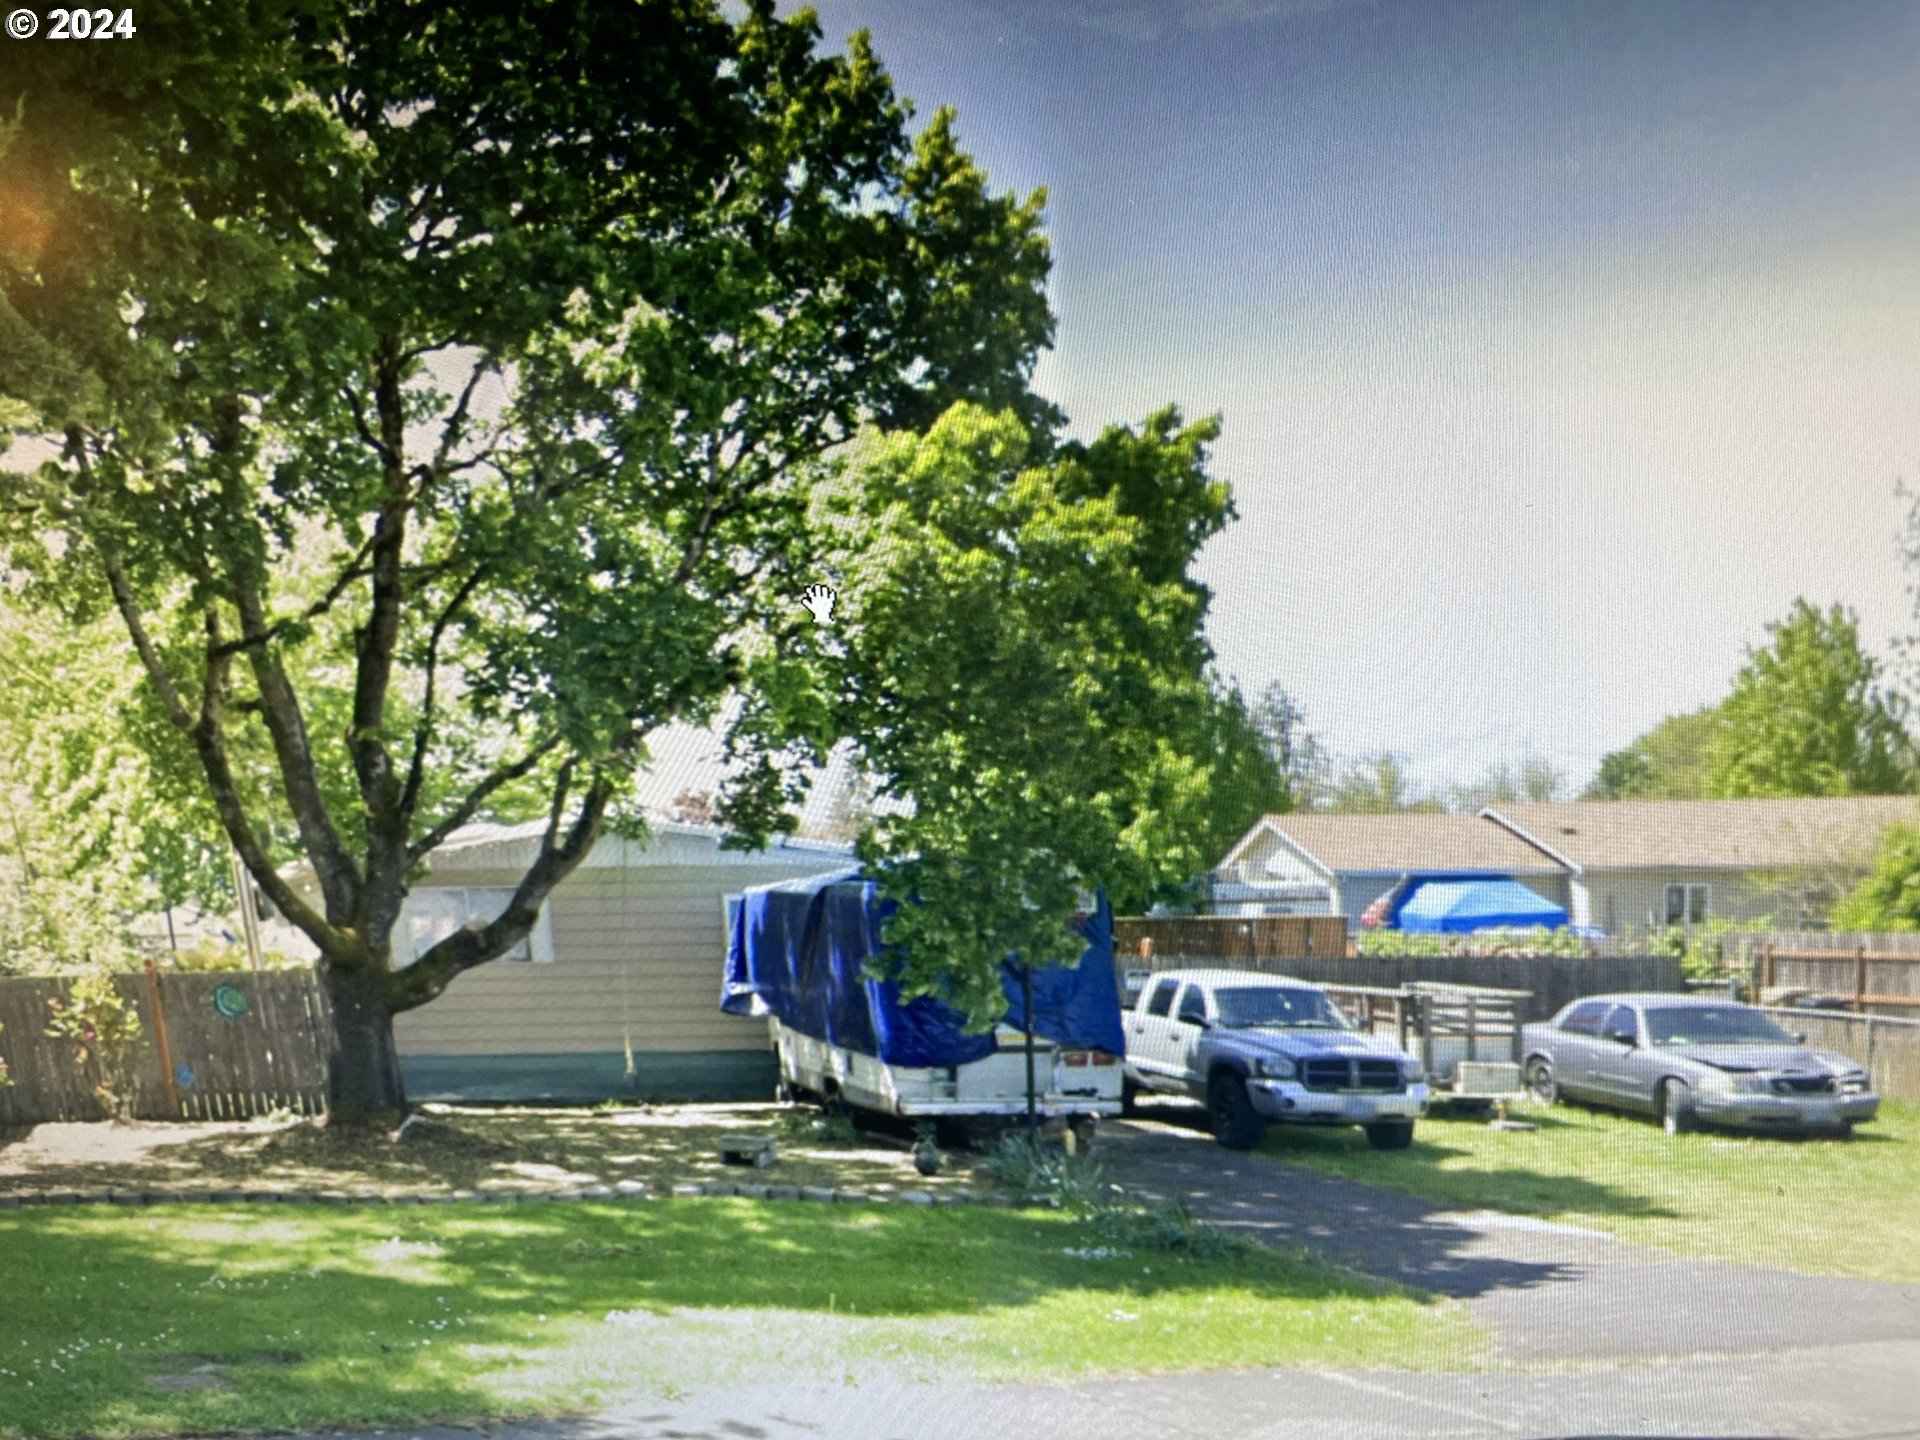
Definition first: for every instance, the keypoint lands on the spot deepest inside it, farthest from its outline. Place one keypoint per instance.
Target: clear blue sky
(1559, 346)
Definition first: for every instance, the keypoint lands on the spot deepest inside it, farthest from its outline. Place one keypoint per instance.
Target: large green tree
(1669, 762)
(1018, 655)
(1809, 715)
(434, 389)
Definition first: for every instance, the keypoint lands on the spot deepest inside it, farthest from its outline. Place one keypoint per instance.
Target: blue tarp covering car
(1457, 906)
(798, 951)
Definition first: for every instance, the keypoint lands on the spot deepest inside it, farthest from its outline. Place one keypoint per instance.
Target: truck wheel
(1390, 1134)
(1676, 1107)
(1129, 1097)
(1540, 1082)
(1236, 1124)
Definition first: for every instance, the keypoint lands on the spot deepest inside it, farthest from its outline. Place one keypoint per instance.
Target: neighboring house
(1315, 864)
(1621, 866)
(1637, 865)
(617, 990)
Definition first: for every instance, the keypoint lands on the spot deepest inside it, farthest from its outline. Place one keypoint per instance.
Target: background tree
(1377, 784)
(1534, 778)
(1669, 762)
(1808, 715)
(1888, 897)
(429, 400)
(1299, 753)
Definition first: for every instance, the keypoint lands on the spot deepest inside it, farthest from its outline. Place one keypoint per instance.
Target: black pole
(1026, 1002)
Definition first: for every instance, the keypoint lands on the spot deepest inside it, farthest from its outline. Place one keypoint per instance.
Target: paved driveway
(1548, 1292)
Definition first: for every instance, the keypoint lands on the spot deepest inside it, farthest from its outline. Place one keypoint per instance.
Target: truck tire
(1390, 1134)
(1129, 1097)
(1236, 1124)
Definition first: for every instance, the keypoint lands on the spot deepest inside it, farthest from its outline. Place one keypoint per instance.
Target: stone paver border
(621, 1190)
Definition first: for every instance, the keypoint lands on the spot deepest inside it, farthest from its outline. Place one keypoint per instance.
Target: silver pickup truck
(1263, 1048)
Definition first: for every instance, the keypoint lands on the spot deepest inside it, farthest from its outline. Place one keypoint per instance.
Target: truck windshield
(1267, 1005)
(1713, 1025)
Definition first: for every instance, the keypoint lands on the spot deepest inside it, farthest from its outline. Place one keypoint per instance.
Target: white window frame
(479, 904)
(1690, 913)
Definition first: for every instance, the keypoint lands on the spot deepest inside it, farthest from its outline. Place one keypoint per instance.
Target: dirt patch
(462, 1148)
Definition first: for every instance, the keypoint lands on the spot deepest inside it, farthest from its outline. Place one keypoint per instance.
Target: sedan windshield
(1713, 1025)
(1269, 1005)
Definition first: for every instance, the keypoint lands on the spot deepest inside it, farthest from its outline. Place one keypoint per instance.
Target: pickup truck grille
(1804, 1085)
(1378, 1075)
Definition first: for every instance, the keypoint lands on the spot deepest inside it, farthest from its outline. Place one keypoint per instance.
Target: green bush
(104, 1028)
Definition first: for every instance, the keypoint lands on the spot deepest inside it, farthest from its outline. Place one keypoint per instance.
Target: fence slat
(273, 1054)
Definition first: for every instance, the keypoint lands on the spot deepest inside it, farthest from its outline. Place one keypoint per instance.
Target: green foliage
(1032, 1168)
(1703, 949)
(1535, 778)
(1022, 669)
(1888, 896)
(104, 1028)
(1299, 754)
(1669, 762)
(1538, 940)
(6, 1071)
(1378, 784)
(430, 403)
(1809, 716)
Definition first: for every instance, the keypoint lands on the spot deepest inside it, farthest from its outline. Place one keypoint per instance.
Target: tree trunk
(364, 1088)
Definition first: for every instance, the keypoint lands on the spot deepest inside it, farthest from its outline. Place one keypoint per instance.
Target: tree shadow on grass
(1393, 1233)
(484, 1149)
(298, 1316)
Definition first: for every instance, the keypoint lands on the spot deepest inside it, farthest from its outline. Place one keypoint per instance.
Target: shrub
(1034, 1168)
(104, 1028)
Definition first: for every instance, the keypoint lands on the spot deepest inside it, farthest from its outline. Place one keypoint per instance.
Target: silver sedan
(1693, 1061)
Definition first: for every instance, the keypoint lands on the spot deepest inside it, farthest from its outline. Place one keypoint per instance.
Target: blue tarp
(1463, 905)
(798, 951)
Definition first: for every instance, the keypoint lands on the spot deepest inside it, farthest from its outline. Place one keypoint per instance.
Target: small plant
(1172, 1229)
(6, 1074)
(1025, 1165)
(104, 1028)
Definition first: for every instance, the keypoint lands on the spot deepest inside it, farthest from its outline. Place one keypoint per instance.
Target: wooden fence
(211, 1047)
(1551, 980)
(1889, 1048)
(1877, 974)
(1225, 938)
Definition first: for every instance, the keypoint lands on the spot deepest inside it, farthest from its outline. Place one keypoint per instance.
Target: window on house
(1687, 904)
(432, 913)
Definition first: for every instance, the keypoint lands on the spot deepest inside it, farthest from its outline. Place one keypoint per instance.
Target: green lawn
(305, 1316)
(1835, 1207)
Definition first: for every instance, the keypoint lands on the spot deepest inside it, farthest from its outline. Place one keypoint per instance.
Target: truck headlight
(1274, 1067)
(1414, 1073)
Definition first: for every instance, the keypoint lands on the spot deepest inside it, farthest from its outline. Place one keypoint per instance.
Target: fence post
(1860, 980)
(1767, 983)
(1870, 1079)
(160, 1040)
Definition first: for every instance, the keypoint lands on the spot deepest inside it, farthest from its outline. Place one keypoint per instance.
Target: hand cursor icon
(819, 602)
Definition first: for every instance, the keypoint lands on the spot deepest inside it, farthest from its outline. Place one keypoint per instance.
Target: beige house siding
(1627, 903)
(637, 964)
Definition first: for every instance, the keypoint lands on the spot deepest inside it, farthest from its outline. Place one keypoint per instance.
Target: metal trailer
(1072, 1087)
(1466, 1036)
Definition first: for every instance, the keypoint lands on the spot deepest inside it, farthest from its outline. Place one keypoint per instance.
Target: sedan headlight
(1727, 1082)
(1274, 1067)
(1855, 1082)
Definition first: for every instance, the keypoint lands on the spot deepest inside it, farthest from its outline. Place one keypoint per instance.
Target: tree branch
(355, 571)
(470, 804)
(423, 730)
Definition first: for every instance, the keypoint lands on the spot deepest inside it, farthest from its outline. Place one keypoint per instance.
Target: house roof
(1707, 834)
(1396, 843)
(671, 842)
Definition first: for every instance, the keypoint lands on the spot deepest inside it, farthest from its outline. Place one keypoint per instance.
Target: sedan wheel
(1541, 1084)
(1676, 1107)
